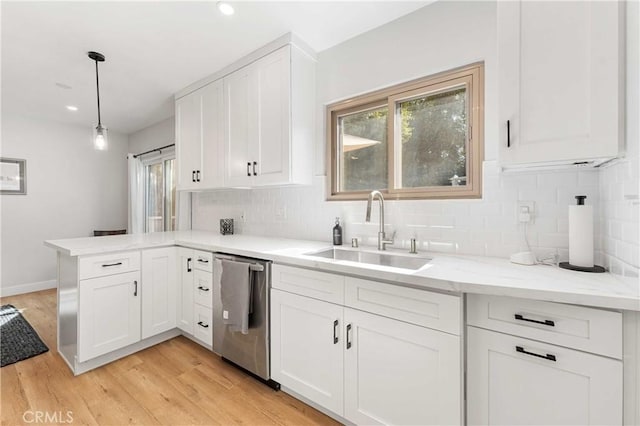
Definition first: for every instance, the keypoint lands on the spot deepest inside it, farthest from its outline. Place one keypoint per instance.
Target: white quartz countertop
(454, 273)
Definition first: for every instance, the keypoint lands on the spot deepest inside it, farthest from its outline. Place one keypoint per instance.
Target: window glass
(155, 197)
(433, 134)
(363, 150)
(416, 140)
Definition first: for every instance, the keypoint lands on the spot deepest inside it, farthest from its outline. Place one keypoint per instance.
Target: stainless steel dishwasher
(249, 351)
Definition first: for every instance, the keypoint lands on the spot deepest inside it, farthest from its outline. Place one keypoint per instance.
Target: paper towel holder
(566, 265)
(594, 268)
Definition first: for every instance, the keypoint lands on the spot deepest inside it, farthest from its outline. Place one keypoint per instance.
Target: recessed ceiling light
(72, 108)
(225, 8)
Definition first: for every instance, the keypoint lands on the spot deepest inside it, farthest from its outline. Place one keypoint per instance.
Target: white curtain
(136, 196)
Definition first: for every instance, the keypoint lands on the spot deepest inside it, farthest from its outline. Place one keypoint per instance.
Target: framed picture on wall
(13, 176)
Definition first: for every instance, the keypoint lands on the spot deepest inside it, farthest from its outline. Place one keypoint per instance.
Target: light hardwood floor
(176, 382)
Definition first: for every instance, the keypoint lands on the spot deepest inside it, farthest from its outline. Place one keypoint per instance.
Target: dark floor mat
(18, 340)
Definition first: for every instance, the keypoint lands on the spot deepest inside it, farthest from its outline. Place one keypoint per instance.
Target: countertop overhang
(451, 273)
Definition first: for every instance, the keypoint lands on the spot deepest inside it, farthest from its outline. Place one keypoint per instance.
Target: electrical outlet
(281, 213)
(526, 211)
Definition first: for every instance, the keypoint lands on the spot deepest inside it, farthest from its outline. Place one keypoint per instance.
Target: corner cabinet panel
(185, 299)
(516, 381)
(399, 373)
(559, 66)
(109, 314)
(159, 285)
(212, 172)
(307, 344)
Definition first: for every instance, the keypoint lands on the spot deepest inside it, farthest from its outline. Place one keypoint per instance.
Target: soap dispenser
(337, 233)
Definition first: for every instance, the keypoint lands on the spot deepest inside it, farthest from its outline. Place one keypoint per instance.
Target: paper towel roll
(581, 236)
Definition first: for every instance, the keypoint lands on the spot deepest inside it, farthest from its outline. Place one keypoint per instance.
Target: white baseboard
(27, 288)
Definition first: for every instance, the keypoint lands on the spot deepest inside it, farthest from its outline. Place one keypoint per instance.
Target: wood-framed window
(417, 140)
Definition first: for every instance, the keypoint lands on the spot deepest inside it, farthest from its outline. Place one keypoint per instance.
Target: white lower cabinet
(307, 349)
(366, 368)
(159, 282)
(185, 290)
(399, 373)
(517, 381)
(108, 314)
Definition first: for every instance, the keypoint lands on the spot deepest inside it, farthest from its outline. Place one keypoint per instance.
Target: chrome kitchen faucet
(382, 241)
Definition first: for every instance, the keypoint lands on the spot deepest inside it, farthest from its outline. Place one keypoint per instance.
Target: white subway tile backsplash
(486, 227)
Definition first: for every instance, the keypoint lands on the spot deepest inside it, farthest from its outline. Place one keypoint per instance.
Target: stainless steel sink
(373, 258)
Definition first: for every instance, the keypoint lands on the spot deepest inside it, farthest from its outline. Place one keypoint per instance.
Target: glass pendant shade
(100, 138)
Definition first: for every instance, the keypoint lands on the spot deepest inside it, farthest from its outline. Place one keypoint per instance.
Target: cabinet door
(539, 383)
(272, 153)
(212, 171)
(240, 126)
(400, 373)
(184, 312)
(188, 139)
(109, 314)
(307, 344)
(158, 290)
(559, 80)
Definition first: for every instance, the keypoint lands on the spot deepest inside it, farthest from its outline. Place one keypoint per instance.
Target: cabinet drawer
(203, 327)
(203, 260)
(108, 264)
(588, 329)
(305, 282)
(420, 307)
(203, 288)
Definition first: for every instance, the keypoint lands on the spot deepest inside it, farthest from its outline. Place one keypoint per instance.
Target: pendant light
(100, 138)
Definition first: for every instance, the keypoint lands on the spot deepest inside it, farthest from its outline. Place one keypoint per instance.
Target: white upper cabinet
(269, 120)
(200, 138)
(560, 97)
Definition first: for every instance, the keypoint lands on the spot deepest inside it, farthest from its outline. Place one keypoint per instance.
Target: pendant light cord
(98, 92)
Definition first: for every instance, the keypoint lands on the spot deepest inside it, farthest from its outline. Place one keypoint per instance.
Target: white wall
(155, 136)
(441, 36)
(72, 189)
(619, 184)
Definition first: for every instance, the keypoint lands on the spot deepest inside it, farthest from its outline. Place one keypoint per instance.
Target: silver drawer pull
(106, 265)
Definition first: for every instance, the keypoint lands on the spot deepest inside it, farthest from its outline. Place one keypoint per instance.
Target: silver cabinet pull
(107, 265)
(349, 336)
(135, 288)
(335, 332)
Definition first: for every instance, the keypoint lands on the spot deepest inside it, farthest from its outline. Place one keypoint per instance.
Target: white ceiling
(153, 49)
